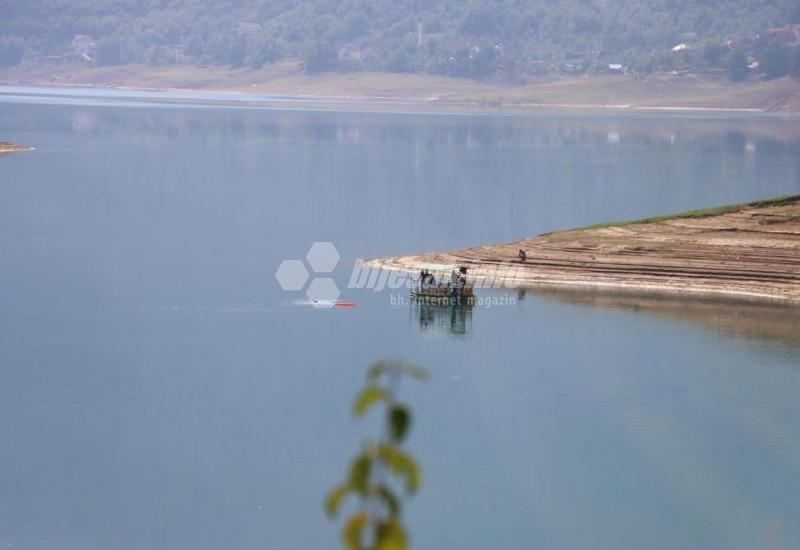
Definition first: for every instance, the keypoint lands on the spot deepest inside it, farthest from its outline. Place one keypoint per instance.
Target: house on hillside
(787, 36)
(617, 68)
(83, 47)
(739, 42)
(352, 53)
(572, 68)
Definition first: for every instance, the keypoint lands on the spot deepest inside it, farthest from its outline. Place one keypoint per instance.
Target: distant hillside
(502, 39)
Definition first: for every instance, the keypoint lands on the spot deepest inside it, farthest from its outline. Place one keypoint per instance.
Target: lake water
(159, 390)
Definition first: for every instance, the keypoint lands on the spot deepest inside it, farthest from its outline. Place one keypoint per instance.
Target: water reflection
(442, 320)
(123, 392)
(750, 319)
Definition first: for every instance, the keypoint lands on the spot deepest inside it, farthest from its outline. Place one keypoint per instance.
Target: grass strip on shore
(703, 213)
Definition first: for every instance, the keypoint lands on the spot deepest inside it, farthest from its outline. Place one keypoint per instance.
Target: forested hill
(491, 38)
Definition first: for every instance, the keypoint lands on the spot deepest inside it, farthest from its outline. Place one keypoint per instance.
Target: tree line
(506, 39)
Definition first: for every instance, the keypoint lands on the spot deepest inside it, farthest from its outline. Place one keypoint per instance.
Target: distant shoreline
(399, 104)
(287, 83)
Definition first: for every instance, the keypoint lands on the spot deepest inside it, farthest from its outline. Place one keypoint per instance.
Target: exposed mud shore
(749, 252)
(287, 81)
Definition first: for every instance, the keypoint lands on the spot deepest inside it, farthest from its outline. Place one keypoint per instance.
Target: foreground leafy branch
(377, 524)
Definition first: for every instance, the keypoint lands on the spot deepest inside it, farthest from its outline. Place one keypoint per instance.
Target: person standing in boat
(426, 280)
(458, 279)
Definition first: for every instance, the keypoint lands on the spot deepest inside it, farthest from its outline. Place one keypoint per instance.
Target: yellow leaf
(354, 529)
(402, 464)
(415, 371)
(359, 473)
(391, 536)
(367, 398)
(396, 365)
(335, 498)
(392, 503)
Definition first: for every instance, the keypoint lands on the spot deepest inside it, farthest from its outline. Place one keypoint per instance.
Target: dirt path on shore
(750, 253)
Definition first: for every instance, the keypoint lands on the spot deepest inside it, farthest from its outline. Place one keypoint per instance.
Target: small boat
(8, 147)
(447, 290)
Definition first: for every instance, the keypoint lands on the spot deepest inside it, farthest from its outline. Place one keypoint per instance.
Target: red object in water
(346, 304)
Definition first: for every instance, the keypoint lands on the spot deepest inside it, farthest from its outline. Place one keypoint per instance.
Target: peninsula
(749, 251)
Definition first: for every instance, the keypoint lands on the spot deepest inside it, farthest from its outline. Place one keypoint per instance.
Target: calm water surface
(159, 390)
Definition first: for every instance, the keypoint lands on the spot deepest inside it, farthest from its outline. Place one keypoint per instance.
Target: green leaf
(377, 369)
(399, 422)
(391, 536)
(367, 398)
(392, 503)
(398, 365)
(415, 371)
(359, 474)
(353, 530)
(402, 465)
(335, 498)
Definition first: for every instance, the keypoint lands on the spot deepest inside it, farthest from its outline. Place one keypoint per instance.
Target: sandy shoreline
(286, 81)
(751, 253)
(431, 103)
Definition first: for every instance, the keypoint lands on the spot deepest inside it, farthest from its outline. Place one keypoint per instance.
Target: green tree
(378, 523)
(355, 24)
(794, 62)
(110, 51)
(319, 57)
(537, 36)
(483, 61)
(477, 21)
(713, 52)
(794, 15)
(400, 58)
(12, 50)
(262, 51)
(737, 65)
(775, 62)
